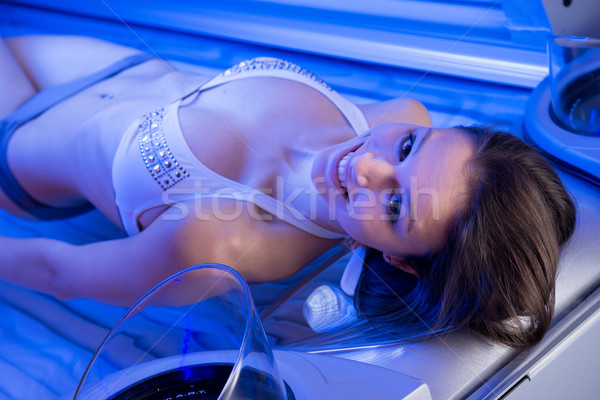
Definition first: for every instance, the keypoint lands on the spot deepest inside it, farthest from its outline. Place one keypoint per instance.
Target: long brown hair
(497, 272)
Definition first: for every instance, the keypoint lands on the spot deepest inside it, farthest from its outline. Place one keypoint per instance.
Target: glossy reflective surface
(575, 83)
(195, 334)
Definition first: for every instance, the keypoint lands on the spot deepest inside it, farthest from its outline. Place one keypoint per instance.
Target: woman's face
(397, 187)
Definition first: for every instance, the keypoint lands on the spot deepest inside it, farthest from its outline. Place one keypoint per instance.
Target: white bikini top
(154, 166)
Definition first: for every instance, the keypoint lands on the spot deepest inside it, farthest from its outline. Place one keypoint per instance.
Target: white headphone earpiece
(353, 270)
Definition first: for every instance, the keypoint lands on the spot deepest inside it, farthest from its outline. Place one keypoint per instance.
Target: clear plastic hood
(196, 335)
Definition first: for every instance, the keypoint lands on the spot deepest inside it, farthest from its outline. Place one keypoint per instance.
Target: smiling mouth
(344, 163)
(341, 171)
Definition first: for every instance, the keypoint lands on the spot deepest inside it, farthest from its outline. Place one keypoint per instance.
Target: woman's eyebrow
(413, 218)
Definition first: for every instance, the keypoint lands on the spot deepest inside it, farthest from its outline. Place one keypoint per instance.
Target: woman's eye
(406, 146)
(394, 207)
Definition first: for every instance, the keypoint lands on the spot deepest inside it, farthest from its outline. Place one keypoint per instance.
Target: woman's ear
(400, 264)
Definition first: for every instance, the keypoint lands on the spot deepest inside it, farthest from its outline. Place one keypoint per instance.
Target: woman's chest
(261, 131)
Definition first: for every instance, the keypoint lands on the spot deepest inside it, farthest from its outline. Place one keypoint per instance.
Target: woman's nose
(372, 172)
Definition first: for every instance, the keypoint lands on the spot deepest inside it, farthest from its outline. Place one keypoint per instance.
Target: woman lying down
(263, 168)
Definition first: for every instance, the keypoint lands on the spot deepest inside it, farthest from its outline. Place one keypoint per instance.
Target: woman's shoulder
(401, 109)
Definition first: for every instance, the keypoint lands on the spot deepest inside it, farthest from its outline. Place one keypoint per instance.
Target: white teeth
(342, 169)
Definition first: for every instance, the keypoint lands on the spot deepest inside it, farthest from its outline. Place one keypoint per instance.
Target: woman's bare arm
(50, 60)
(120, 271)
(116, 271)
(15, 86)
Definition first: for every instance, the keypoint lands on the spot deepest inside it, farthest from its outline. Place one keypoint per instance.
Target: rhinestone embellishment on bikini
(155, 151)
(270, 64)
